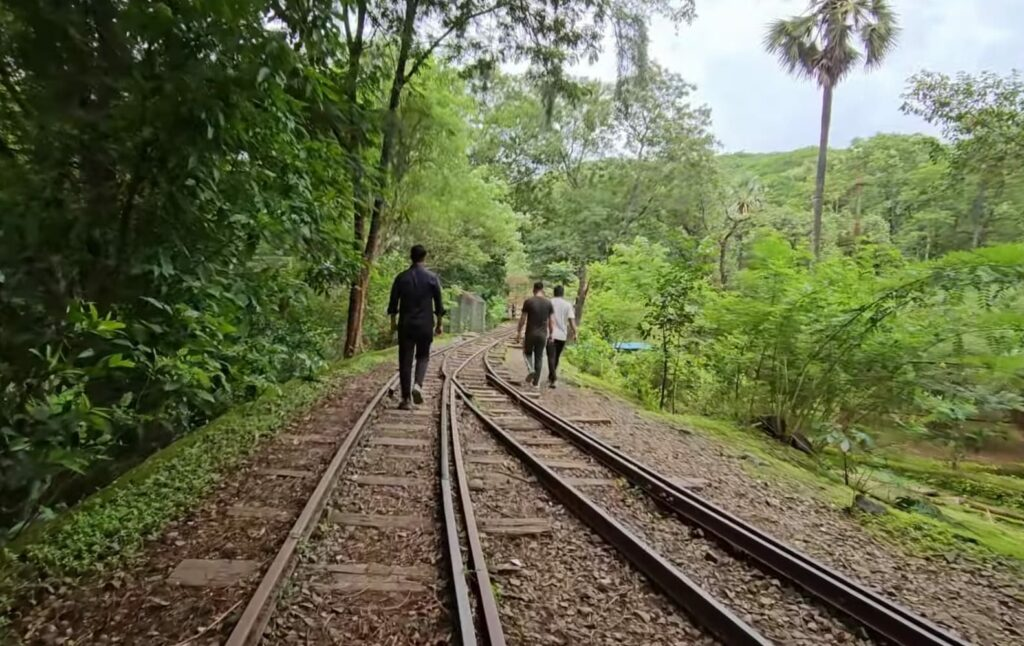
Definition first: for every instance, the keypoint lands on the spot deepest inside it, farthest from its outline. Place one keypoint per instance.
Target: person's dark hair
(537, 286)
(418, 253)
(559, 291)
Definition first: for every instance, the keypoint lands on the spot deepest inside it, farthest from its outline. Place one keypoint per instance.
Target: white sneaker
(417, 394)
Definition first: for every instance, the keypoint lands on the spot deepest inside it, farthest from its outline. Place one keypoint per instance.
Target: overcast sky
(757, 107)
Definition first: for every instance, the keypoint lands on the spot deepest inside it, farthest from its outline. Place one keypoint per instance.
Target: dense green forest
(200, 201)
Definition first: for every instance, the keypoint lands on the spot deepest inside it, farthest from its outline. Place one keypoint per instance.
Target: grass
(111, 526)
(975, 480)
(958, 529)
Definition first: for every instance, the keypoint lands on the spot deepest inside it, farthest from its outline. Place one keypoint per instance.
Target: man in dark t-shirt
(539, 322)
(412, 294)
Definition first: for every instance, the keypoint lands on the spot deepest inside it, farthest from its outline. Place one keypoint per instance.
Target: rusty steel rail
(465, 630)
(864, 606)
(488, 605)
(253, 622)
(694, 600)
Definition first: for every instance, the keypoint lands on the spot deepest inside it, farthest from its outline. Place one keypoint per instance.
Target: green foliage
(601, 168)
(621, 284)
(830, 350)
(592, 354)
(168, 227)
(904, 190)
(983, 116)
(671, 321)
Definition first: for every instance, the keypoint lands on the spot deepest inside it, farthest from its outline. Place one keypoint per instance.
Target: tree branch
(459, 22)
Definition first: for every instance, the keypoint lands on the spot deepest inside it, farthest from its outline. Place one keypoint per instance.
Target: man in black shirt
(539, 322)
(412, 294)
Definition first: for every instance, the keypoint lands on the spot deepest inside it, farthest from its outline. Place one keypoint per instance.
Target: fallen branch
(215, 623)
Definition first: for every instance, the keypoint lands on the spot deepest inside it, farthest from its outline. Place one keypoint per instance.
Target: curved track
(857, 605)
(376, 429)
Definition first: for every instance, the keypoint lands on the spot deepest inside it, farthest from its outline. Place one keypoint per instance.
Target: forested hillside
(896, 189)
(911, 319)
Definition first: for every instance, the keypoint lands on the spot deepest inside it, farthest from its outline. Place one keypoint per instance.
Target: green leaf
(206, 396)
(108, 325)
(262, 74)
(117, 360)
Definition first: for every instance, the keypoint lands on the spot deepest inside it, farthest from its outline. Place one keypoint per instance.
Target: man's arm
(438, 305)
(572, 323)
(551, 325)
(393, 304)
(522, 322)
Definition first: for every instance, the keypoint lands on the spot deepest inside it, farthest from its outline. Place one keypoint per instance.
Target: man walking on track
(412, 294)
(537, 317)
(564, 319)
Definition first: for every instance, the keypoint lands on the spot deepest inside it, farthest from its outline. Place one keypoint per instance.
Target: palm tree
(745, 197)
(824, 45)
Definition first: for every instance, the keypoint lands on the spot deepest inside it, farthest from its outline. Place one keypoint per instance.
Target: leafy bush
(592, 354)
(831, 350)
(167, 228)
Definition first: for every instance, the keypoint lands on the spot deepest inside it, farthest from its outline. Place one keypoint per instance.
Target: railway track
(518, 421)
(370, 531)
(411, 533)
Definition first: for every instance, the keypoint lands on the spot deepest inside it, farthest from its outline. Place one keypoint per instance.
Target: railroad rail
(251, 625)
(881, 617)
(450, 438)
(714, 616)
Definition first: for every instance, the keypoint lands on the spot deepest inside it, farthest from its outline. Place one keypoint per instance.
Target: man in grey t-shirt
(539, 322)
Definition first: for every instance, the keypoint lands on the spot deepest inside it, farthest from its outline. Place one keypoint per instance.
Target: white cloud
(757, 106)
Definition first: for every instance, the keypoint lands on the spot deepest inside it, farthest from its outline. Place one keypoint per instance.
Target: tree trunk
(358, 292)
(353, 136)
(723, 245)
(819, 181)
(857, 210)
(978, 217)
(581, 293)
(664, 370)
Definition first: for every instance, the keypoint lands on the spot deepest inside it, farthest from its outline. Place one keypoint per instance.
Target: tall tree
(824, 44)
(611, 163)
(983, 117)
(743, 199)
(548, 33)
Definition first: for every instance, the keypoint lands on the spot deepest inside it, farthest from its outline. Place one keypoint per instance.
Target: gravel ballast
(981, 602)
(566, 585)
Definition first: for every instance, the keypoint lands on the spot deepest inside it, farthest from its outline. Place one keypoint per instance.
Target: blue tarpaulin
(631, 346)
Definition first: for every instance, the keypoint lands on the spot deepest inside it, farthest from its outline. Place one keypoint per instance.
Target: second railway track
(753, 589)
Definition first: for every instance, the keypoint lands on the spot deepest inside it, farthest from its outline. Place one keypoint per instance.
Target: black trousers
(413, 343)
(554, 355)
(533, 352)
